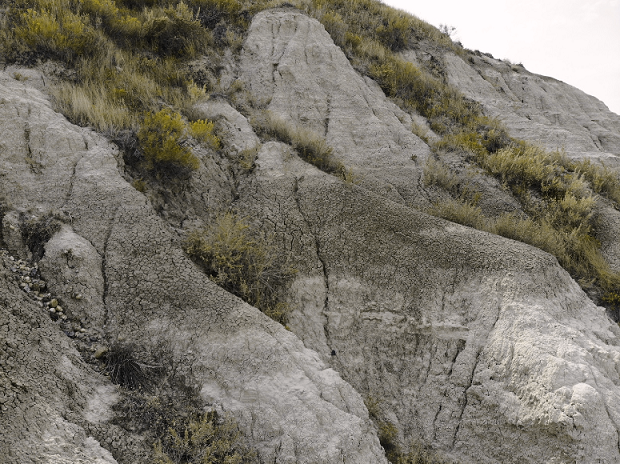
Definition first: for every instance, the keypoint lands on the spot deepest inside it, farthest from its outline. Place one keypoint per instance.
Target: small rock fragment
(100, 352)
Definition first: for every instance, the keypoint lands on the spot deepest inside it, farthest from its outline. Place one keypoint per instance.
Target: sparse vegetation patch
(165, 406)
(311, 147)
(243, 262)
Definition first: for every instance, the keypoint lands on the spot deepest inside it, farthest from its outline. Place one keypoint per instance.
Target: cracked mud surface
(480, 346)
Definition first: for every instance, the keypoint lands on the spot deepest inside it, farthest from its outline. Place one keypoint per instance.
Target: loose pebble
(100, 352)
(29, 280)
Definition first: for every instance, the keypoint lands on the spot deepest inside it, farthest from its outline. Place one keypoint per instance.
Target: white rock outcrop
(290, 61)
(539, 109)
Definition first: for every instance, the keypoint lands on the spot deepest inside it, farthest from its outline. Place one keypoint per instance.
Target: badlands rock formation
(143, 288)
(478, 346)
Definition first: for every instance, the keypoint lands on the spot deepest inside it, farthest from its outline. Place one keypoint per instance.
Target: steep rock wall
(291, 62)
(480, 346)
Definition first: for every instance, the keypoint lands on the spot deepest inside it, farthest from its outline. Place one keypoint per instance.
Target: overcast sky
(575, 41)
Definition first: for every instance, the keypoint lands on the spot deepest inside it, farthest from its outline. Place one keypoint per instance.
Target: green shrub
(203, 130)
(572, 244)
(529, 167)
(56, 32)
(160, 138)
(174, 32)
(388, 437)
(240, 261)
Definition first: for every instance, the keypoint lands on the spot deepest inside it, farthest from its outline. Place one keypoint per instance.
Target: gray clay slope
(479, 346)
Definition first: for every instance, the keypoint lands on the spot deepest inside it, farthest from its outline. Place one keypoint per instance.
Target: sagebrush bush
(203, 130)
(174, 32)
(161, 136)
(241, 261)
(206, 439)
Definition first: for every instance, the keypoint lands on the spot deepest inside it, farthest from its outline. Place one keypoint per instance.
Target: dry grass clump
(557, 196)
(436, 172)
(602, 180)
(462, 212)
(239, 260)
(92, 105)
(204, 439)
(311, 147)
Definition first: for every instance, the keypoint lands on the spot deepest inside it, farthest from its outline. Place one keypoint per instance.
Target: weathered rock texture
(539, 109)
(480, 346)
(291, 61)
(45, 387)
(143, 289)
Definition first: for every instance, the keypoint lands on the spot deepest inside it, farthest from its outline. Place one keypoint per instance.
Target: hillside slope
(404, 327)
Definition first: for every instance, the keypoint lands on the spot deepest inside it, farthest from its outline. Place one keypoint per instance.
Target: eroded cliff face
(479, 346)
(457, 332)
(145, 290)
(539, 109)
